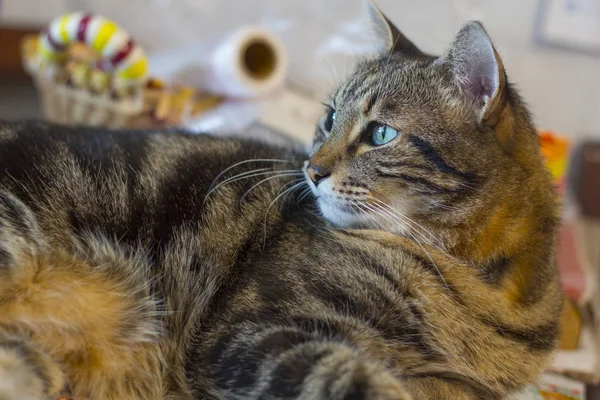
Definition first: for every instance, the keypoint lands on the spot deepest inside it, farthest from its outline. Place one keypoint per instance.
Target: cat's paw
(374, 383)
(26, 373)
(348, 375)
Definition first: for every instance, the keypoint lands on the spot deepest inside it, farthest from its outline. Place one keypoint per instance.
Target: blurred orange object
(555, 149)
(555, 396)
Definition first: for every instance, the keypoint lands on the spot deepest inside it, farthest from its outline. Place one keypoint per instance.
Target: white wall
(561, 87)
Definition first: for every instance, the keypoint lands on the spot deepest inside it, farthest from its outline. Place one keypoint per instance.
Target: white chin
(348, 220)
(339, 217)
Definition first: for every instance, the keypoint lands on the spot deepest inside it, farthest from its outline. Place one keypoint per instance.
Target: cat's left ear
(389, 38)
(478, 71)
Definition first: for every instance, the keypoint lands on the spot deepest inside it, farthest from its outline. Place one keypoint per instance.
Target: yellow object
(112, 45)
(135, 70)
(50, 55)
(570, 326)
(555, 149)
(107, 30)
(77, 86)
(63, 28)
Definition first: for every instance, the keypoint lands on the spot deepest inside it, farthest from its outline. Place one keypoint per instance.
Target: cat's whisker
(368, 215)
(405, 217)
(433, 263)
(380, 214)
(360, 209)
(274, 160)
(273, 202)
(470, 187)
(415, 240)
(304, 194)
(333, 75)
(300, 181)
(247, 175)
(213, 188)
(254, 173)
(288, 173)
(421, 246)
(315, 213)
(390, 218)
(403, 220)
(446, 207)
(412, 230)
(346, 64)
(299, 80)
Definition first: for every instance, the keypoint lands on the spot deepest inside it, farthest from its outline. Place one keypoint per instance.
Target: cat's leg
(89, 309)
(26, 371)
(256, 362)
(449, 388)
(286, 363)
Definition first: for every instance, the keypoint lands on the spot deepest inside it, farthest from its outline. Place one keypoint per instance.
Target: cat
(410, 257)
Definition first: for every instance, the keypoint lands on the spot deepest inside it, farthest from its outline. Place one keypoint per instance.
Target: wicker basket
(78, 89)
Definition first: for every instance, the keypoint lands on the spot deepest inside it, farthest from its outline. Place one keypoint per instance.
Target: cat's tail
(86, 311)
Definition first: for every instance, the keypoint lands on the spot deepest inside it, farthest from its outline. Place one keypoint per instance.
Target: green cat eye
(383, 134)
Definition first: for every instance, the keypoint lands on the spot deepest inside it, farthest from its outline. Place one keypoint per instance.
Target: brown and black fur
(121, 279)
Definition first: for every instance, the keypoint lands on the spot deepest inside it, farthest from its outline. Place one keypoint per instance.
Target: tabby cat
(417, 263)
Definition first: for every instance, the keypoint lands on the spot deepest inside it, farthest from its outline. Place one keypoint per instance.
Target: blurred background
(550, 49)
(323, 39)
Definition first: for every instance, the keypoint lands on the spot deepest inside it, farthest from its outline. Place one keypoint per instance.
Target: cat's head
(432, 139)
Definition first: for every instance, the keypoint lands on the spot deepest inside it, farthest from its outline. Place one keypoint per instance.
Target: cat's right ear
(389, 38)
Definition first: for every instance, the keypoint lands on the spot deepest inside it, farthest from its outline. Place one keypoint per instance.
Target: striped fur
(166, 266)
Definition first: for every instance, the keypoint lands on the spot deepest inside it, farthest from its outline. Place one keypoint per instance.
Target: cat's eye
(329, 120)
(382, 134)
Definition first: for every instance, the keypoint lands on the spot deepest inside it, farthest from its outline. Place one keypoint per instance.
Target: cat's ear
(389, 39)
(477, 70)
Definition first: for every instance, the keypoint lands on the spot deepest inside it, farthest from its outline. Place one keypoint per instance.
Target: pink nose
(317, 173)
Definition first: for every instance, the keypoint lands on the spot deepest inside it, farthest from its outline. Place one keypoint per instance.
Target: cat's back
(132, 186)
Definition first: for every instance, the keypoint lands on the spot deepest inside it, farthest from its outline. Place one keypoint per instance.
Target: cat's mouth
(341, 213)
(338, 210)
(359, 210)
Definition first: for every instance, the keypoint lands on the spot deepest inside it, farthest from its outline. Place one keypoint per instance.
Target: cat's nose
(317, 173)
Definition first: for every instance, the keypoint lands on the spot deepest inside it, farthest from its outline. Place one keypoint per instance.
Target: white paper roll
(249, 63)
